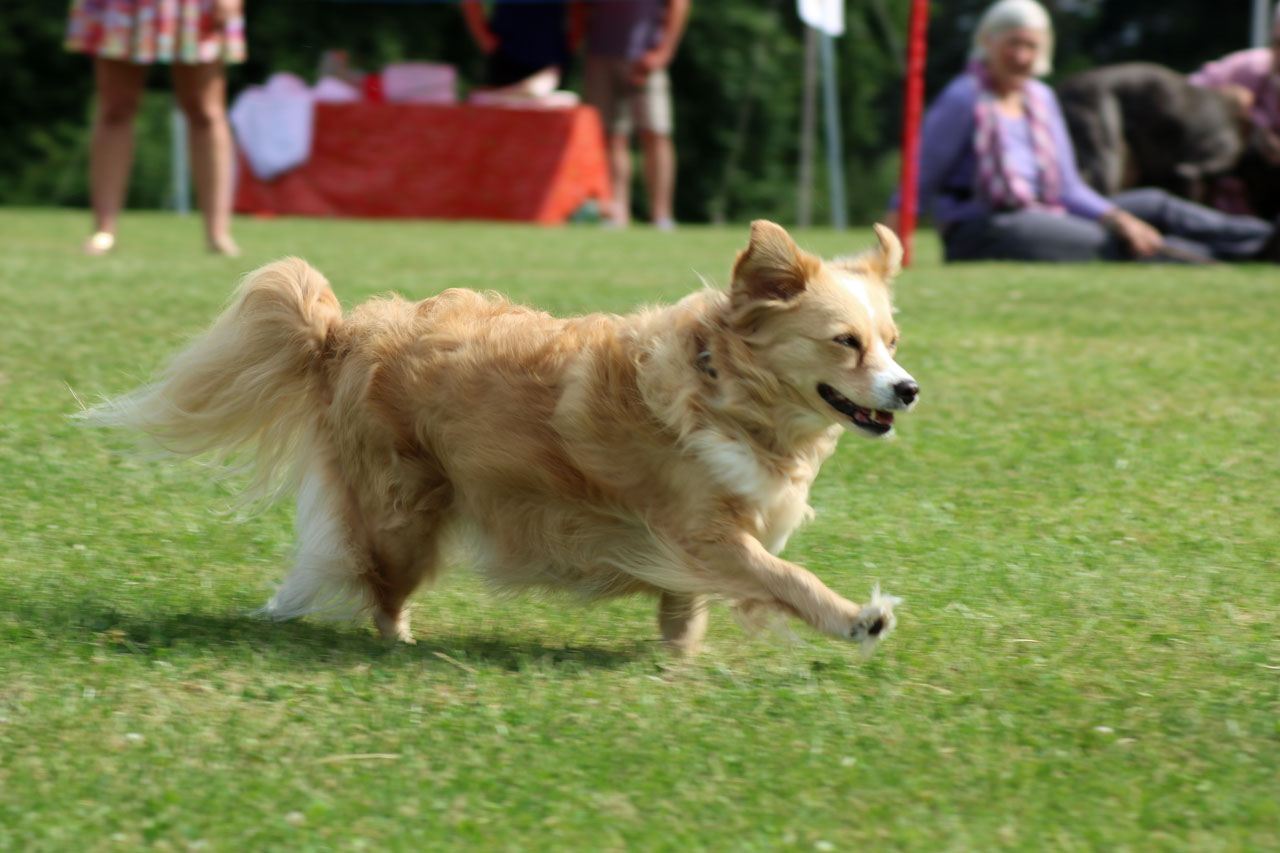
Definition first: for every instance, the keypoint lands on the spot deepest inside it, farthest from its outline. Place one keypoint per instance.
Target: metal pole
(180, 173)
(804, 181)
(835, 156)
(1260, 30)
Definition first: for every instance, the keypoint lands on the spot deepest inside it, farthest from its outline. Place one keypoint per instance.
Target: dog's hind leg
(328, 571)
(683, 620)
(345, 565)
(399, 566)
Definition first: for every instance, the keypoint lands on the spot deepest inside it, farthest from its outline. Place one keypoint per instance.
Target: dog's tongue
(884, 417)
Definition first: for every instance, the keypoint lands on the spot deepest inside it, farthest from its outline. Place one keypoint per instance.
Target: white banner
(824, 15)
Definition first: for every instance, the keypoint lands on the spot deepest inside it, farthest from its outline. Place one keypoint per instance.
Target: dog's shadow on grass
(316, 645)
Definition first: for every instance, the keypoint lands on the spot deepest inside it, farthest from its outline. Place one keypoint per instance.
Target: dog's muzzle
(873, 421)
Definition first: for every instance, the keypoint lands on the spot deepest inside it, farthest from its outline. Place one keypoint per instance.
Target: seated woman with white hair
(999, 173)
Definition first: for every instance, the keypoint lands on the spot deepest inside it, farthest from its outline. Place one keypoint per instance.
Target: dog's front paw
(874, 621)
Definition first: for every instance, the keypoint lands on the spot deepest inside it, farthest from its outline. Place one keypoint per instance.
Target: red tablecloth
(452, 162)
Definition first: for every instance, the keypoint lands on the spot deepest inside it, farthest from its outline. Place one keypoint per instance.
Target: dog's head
(825, 330)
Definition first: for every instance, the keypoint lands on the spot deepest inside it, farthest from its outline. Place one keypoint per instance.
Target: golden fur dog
(668, 452)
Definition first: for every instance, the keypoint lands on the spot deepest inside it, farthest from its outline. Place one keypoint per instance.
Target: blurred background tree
(739, 58)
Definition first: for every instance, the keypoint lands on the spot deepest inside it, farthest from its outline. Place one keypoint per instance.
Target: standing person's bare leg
(118, 86)
(202, 94)
(660, 176)
(620, 178)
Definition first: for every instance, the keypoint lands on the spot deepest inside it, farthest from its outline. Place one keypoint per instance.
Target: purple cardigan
(948, 163)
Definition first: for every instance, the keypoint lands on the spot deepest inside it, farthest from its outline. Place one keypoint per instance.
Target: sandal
(224, 246)
(100, 243)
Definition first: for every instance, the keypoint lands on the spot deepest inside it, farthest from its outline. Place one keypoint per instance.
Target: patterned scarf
(1002, 188)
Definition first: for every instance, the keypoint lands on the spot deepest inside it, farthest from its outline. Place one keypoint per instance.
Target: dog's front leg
(683, 620)
(749, 572)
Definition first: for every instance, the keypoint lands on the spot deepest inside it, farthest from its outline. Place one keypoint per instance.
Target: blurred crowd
(1124, 162)
(529, 46)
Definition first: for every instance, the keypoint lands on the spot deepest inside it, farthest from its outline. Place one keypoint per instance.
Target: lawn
(1081, 515)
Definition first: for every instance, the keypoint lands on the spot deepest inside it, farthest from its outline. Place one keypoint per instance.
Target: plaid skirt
(147, 31)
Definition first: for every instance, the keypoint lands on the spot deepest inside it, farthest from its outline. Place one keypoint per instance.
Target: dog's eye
(893, 344)
(850, 341)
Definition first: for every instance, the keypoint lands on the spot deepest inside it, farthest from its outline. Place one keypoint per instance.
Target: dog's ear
(884, 261)
(772, 267)
(890, 252)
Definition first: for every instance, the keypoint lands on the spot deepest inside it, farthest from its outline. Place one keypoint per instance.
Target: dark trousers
(1036, 235)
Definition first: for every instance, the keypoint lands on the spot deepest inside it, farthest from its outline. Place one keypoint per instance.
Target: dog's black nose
(907, 390)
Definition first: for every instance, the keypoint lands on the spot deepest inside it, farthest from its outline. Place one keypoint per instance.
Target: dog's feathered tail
(247, 391)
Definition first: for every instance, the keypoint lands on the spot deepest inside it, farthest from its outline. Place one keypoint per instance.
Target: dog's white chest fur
(780, 499)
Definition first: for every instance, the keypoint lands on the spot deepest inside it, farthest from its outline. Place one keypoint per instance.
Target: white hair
(1015, 15)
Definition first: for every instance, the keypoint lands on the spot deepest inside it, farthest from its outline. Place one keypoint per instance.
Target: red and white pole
(912, 108)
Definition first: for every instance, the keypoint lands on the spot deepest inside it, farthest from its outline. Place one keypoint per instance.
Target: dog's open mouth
(874, 421)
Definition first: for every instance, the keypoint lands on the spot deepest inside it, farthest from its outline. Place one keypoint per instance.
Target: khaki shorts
(623, 105)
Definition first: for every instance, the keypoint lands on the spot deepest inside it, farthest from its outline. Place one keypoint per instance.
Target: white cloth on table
(273, 123)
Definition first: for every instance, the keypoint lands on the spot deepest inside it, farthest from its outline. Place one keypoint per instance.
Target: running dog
(667, 452)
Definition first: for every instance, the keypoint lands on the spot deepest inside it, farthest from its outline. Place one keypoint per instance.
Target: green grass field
(1081, 515)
